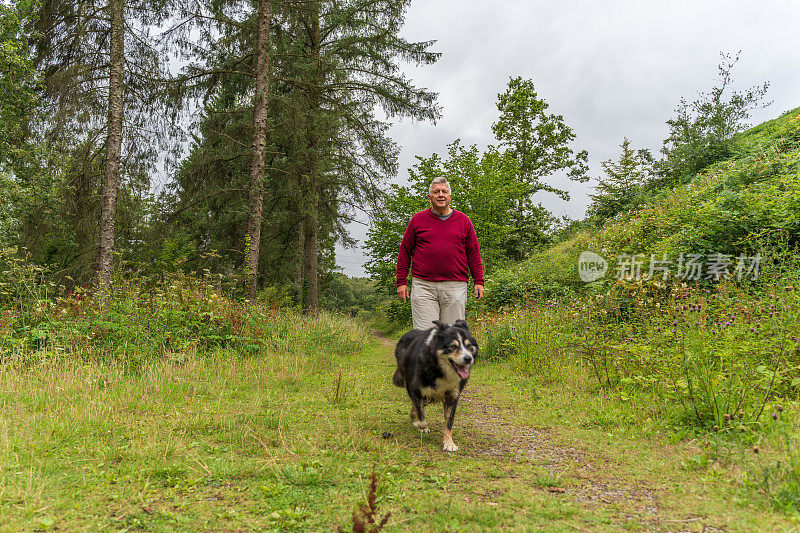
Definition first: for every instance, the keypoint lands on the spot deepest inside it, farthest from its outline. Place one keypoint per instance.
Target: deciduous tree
(541, 144)
(701, 131)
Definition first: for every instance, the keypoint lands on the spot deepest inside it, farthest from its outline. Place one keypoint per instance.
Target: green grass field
(287, 440)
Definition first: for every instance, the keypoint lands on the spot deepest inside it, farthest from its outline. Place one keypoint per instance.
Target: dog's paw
(450, 447)
(422, 426)
(425, 430)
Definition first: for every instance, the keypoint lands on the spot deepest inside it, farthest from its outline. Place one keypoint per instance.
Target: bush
(537, 340)
(148, 319)
(500, 342)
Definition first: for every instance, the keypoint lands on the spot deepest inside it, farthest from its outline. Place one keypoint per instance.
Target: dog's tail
(398, 379)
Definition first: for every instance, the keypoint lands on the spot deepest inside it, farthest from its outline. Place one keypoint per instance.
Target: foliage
(622, 188)
(57, 180)
(537, 141)
(145, 319)
(356, 297)
(327, 144)
(19, 112)
(701, 131)
(18, 82)
(710, 357)
(730, 208)
(540, 145)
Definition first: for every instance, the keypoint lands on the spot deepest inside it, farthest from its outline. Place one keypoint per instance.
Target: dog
(434, 365)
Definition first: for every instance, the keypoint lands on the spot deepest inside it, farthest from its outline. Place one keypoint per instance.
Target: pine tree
(260, 109)
(352, 50)
(116, 68)
(101, 73)
(624, 182)
(19, 105)
(334, 64)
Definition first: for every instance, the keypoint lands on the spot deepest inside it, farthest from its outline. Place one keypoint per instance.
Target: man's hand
(478, 291)
(402, 292)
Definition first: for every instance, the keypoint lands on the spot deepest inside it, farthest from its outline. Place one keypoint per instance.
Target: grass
(178, 409)
(279, 442)
(703, 358)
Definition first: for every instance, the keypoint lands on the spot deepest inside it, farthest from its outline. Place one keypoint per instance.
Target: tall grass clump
(776, 474)
(700, 354)
(537, 339)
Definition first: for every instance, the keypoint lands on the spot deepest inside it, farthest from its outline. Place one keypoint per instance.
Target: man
(443, 245)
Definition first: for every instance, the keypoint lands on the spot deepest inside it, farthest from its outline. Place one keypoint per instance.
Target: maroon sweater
(443, 250)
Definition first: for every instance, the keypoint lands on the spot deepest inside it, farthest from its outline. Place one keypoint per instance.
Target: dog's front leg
(418, 414)
(449, 415)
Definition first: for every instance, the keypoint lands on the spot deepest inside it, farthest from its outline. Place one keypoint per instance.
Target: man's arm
(404, 260)
(474, 259)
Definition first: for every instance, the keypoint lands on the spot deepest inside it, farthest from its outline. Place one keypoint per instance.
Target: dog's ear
(440, 325)
(461, 324)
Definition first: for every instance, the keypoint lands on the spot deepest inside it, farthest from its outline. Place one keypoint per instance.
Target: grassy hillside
(734, 206)
(716, 363)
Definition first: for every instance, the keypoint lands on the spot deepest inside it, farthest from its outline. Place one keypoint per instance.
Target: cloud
(613, 69)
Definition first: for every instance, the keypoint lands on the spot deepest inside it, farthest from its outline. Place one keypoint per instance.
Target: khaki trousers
(437, 300)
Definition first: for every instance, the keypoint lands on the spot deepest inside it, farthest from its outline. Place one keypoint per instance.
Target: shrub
(147, 319)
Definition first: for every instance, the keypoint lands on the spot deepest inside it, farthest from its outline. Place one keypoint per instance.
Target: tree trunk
(256, 188)
(297, 275)
(113, 145)
(311, 237)
(310, 262)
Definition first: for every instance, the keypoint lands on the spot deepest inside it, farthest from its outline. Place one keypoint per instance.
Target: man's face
(440, 196)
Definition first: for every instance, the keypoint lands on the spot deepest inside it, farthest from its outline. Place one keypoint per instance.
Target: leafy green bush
(146, 319)
(500, 342)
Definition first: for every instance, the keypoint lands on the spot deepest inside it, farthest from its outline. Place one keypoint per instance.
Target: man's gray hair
(436, 181)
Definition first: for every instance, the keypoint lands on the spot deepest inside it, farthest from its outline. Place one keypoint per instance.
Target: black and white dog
(433, 365)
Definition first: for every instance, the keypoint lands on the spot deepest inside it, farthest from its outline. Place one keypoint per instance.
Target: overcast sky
(612, 68)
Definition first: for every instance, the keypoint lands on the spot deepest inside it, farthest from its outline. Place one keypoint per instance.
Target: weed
(365, 518)
(548, 480)
(778, 478)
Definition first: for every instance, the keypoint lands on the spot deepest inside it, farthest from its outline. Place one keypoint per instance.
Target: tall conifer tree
(102, 74)
(334, 65)
(260, 101)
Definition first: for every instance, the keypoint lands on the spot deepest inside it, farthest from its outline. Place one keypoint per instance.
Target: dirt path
(588, 479)
(576, 474)
(383, 339)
